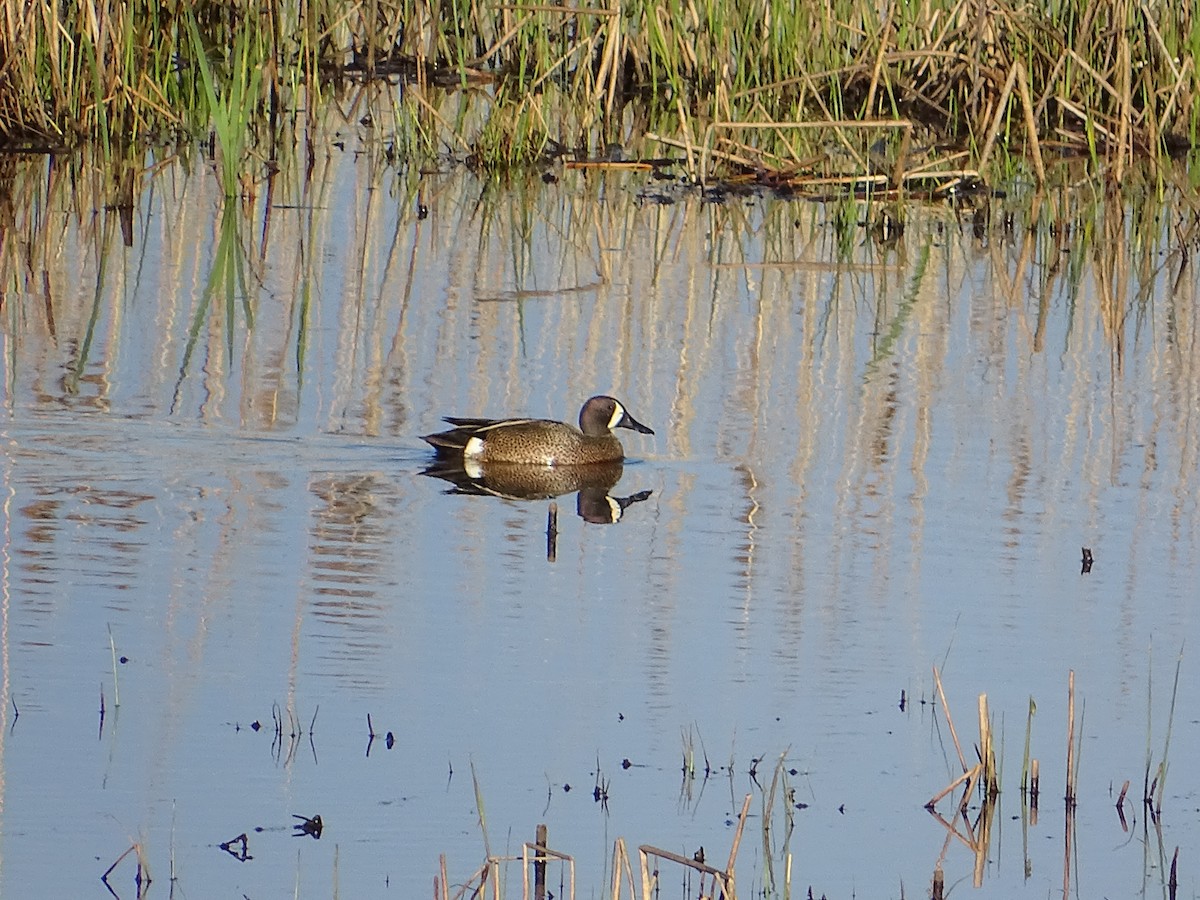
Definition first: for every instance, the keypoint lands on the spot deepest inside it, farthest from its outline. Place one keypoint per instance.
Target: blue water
(862, 468)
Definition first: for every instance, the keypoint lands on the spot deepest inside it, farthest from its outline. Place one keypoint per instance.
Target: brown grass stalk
(972, 773)
(999, 116)
(1031, 125)
(937, 680)
(1070, 795)
(987, 753)
(621, 865)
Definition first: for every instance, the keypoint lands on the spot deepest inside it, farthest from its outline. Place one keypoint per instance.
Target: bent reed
(970, 81)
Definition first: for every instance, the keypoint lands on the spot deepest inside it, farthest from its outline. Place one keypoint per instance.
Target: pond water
(870, 458)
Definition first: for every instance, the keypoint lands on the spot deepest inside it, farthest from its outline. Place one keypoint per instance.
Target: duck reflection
(515, 481)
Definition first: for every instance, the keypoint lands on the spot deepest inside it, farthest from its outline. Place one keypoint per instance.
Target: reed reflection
(348, 539)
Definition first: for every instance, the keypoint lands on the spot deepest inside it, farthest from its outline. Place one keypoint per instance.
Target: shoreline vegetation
(842, 96)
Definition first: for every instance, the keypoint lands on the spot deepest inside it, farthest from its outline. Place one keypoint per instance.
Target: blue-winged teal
(541, 442)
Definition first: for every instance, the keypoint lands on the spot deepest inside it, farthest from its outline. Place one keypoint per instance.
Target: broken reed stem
(880, 55)
(937, 680)
(487, 846)
(998, 119)
(1121, 796)
(1070, 796)
(987, 754)
(1028, 736)
(1035, 149)
(723, 880)
(541, 839)
(116, 862)
(141, 878)
(1035, 783)
(972, 783)
(621, 864)
(950, 787)
(737, 837)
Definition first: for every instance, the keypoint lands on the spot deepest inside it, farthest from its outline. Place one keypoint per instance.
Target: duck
(539, 442)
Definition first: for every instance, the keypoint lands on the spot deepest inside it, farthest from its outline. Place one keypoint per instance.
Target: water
(865, 465)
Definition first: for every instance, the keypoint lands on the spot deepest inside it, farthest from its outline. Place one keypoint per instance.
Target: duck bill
(628, 421)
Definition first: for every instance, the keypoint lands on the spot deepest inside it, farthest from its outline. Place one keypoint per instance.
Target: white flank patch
(473, 448)
(472, 467)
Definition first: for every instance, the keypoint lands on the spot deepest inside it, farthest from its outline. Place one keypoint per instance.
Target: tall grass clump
(72, 72)
(231, 106)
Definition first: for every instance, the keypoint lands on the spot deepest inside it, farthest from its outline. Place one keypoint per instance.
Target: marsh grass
(1155, 776)
(231, 106)
(781, 793)
(759, 86)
